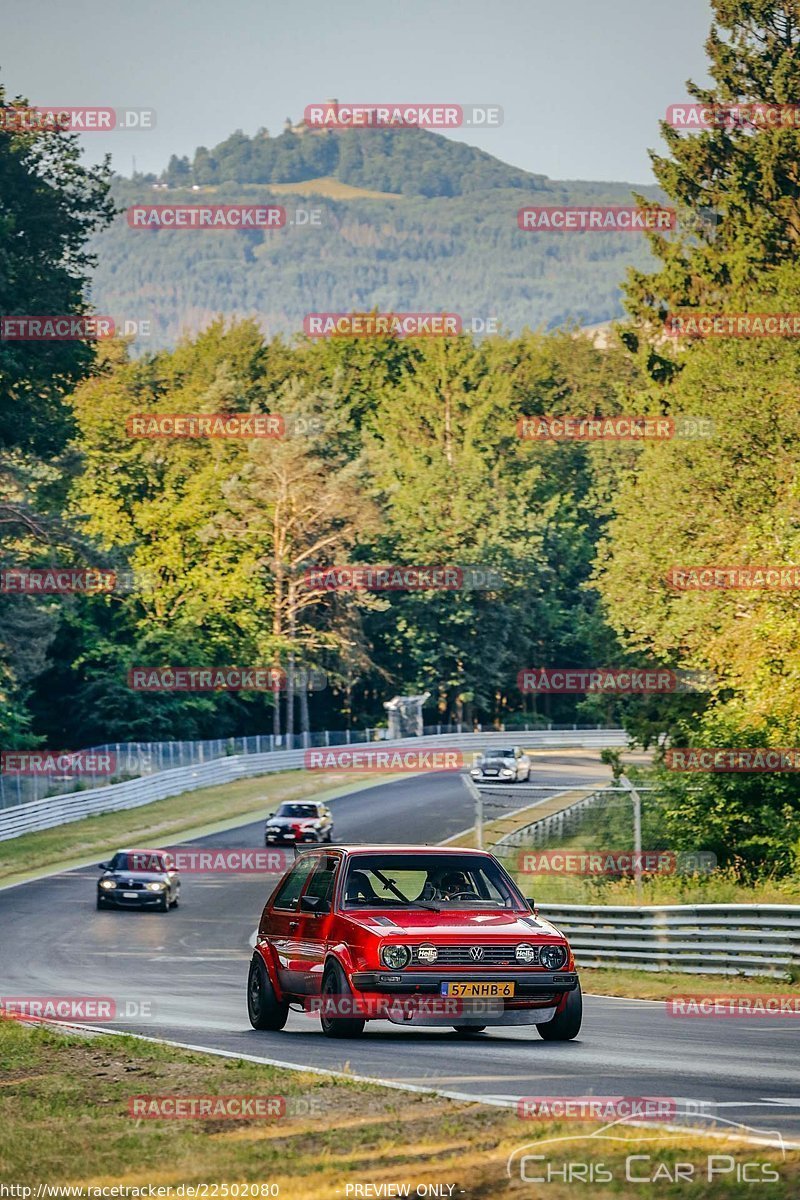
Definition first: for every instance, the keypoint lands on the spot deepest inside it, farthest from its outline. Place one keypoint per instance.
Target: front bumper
(530, 985)
(277, 836)
(141, 900)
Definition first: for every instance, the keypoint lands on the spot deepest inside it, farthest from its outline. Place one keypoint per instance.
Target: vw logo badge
(476, 953)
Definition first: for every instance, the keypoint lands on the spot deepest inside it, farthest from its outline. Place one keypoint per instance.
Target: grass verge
(156, 823)
(659, 985)
(64, 1103)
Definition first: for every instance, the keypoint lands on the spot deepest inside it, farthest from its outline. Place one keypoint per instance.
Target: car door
(308, 944)
(283, 921)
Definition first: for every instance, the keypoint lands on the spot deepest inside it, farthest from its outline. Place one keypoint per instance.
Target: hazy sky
(582, 83)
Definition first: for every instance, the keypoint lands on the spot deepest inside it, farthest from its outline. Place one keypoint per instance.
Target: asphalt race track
(190, 966)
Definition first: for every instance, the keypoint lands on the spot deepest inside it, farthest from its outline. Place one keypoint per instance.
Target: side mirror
(103, 867)
(313, 904)
(532, 904)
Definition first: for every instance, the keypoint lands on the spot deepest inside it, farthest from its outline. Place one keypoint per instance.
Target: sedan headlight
(395, 956)
(553, 957)
(506, 771)
(108, 884)
(156, 887)
(525, 952)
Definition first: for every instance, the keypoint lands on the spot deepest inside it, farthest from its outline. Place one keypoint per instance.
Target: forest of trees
(407, 452)
(456, 247)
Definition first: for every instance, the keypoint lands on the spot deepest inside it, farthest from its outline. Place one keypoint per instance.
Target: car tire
(335, 984)
(263, 1007)
(566, 1025)
(467, 1030)
(174, 903)
(164, 905)
(329, 838)
(101, 904)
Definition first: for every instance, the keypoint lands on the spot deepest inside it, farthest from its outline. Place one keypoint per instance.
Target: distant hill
(410, 221)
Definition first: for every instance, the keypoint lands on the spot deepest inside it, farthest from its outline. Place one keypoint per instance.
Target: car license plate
(478, 989)
(130, 895)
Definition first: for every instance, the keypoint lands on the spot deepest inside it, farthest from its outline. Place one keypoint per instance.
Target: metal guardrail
(58, 810)
(708, 939)
(134, 759)
(561, 823)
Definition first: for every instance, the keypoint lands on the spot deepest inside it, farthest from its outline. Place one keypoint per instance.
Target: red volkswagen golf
(417, 935)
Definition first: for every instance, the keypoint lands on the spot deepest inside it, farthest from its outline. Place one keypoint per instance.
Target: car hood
(136, 876)
(453, 925)
(283, 822)
(497, 762)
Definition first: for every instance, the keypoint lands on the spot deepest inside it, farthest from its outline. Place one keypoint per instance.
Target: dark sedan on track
(139, 879)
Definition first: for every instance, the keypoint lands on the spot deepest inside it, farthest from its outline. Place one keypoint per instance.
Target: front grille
(459, 956)
(126, 886)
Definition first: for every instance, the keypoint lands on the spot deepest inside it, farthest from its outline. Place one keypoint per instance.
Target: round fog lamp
(525, 953)
(427, 953)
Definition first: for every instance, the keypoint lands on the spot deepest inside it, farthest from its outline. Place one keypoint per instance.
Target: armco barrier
(708, 939)
(58, 810)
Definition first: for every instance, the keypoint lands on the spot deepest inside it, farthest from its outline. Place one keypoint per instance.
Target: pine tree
(746, 175)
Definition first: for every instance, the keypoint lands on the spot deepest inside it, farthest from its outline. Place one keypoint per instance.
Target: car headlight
(506, 771)
(156, 887)
(108, 884)
(427, 953)
(553, 957)
(525, 952)
(395, 956)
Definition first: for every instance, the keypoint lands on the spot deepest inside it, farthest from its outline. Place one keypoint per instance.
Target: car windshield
(499, 754)
(138, 860)
(436, 881)
(297, 810)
